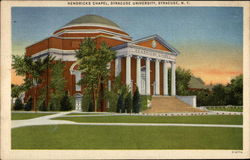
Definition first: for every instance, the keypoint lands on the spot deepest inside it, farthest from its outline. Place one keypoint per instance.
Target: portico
(151, 71)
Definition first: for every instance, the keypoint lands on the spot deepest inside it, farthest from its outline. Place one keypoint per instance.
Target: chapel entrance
(78, 102)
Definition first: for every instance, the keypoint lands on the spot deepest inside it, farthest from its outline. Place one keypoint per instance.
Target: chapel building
(143, 63)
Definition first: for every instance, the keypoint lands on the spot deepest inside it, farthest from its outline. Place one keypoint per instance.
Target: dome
(92, 20)
(92, 26)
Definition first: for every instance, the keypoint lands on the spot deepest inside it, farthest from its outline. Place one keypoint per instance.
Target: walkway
(46, 120)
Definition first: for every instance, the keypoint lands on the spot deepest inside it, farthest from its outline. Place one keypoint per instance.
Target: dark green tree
(16, 90)
(120, 103)
(32, 70)
(42, 106)
(93, 62)
(90, 107)
(234, 91)
(219, 94)
(28, 105)
(128, 103)
(18, 104)
(183, 78)
(136, 101)
(57, 84)
(66, 104)
(203, 96)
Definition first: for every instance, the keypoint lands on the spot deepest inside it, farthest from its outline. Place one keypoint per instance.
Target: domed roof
(92, 20)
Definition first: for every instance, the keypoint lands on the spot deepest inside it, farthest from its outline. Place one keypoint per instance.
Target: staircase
(168, 104)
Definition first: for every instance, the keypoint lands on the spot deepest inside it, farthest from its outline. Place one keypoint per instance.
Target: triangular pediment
(155, 42)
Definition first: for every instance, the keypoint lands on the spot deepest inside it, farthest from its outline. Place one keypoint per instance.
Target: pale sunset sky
(209, 38)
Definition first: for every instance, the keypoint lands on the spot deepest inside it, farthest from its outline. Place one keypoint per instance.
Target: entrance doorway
(78, 102)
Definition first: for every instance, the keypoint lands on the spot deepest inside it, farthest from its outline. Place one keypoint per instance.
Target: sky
(210, 39)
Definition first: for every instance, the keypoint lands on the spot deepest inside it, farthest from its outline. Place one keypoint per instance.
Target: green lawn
(22, 116)
(229, 109)
(211, 119)
(125, 137)
(91, 113)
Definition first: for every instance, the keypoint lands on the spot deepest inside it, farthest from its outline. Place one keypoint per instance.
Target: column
(117, 66)
(165, 78)
(109, 89)
(173, 83)
(138, 73)
(77, 79)
(148, 76)
(109, 85)
(157, 77)
(128, 70)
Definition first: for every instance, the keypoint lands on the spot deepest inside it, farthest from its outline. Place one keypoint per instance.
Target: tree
(32, 70)
(90, 107)
(183, 78)
(235, 91)
(42, 106)
(128, 103)
(136, 101)
(65, 103)
(57, 85)
(204, 97)
(16, 90)
(219, 95)
(93, 63)
(120, 103)
(230, 94)
(18, 104)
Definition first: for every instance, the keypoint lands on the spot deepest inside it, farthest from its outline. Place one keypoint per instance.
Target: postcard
(125, 79)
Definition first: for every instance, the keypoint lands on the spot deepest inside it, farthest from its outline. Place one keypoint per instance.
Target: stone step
(169, 104)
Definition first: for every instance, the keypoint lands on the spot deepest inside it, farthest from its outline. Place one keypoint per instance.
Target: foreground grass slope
(125, 137)
(211, 119)
(22, 116)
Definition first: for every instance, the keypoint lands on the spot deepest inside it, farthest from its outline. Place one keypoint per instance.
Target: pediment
(155, 42)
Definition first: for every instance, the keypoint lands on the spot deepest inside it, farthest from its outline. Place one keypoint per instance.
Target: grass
(229, 109)
(22, 116)
(211, 119)
(71, 114)
(125, 137)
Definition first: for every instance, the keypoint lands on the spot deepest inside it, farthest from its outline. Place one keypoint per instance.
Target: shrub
(18, 104)
(90, 107)
(43, 107)
(120, 104)
(136, 101)
(66, 103)
(128, 103)
(144, 102)
(28, 105)
(52, 107)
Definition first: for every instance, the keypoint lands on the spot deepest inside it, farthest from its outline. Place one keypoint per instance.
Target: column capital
(157, 60)
(166, 61)
(138, 57)
(148, 58)
(128, 55)
(173, 62)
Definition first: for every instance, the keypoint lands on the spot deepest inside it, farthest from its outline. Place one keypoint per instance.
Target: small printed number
(237, 152)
